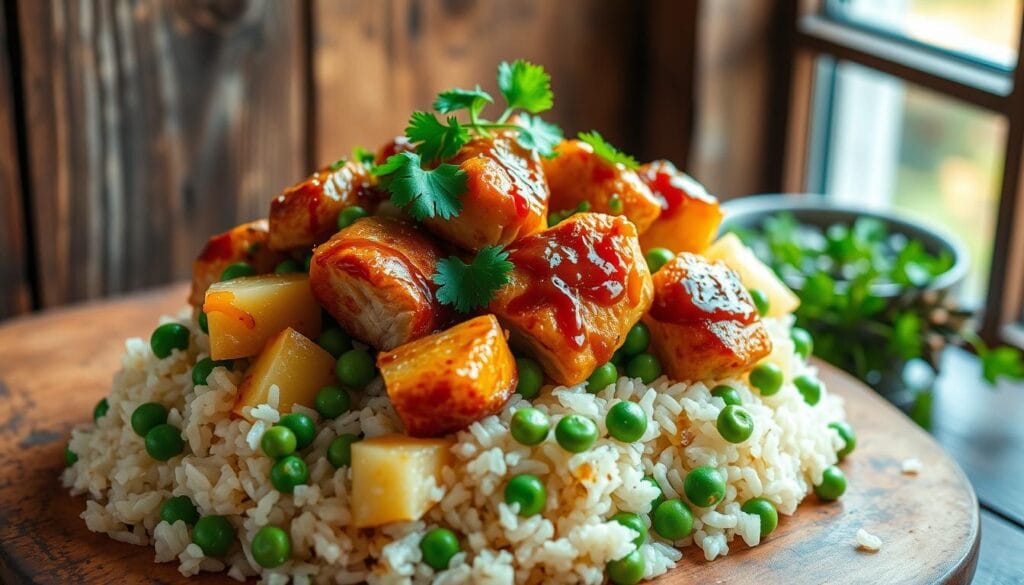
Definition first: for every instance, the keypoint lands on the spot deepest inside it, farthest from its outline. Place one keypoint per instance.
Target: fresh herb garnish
(525, 86)
(606, 151)
(472, 100)
(436, 141)
(364, 156)
(471, 286)
(423, 193)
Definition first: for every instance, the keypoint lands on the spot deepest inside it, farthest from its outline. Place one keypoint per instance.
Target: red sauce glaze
(671, 186)
(396, 145)
(568, 264)
(527, 185)
(690, 289)
(217, 248)
(394, 263)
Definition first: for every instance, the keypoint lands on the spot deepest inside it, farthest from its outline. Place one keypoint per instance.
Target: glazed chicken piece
(306, 213)
(704, 325)
(574, 293)
(374, 278)
(579, 175)
(396, 145)
(445, 382)
(506, 196)
(242, 243)
(689, 215)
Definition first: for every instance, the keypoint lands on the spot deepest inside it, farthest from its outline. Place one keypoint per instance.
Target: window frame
(812, 34)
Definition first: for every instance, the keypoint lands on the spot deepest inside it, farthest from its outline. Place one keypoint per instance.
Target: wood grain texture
(151, 125)
(375, 62)
(54, 367)
(15, 292)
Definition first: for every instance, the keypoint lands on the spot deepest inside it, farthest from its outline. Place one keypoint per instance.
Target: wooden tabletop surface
(978, 426)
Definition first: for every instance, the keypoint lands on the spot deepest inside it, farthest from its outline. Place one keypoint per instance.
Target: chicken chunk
(394, 146)
(374, 278)
(506, 196)
(574, 293)
(243, 243)
(704, 325)
(444, 382)
(579, 175)
(689, 215)
(306, 213)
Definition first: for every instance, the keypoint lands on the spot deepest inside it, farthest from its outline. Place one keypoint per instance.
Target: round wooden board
(54, 367)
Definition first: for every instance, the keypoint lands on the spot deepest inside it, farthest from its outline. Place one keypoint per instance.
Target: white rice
(224, 472)
(911, 466)
(868, 541)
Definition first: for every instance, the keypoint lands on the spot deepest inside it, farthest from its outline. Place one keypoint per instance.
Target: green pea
(644, 366)
(528, 491)
(204, 322)
(167, 338)
(303, 427)
(332, 401)
(809, 388)
(146, 416)
(355, 368)
(661, 495)
(575, 433)
(179, 508)
(735, 424)
(672, 520)
(803, 343)
(70, 457)
(833, 484)
(271, 547)
(438, 547)
(604, 376)
(619, 358)
(287, 473)
(100, 410)
(213, 534)
(339, 452)
(349, 215)
(164, 441)
(729, 395)
(767, 378)
(849, 438)
(760, 301)
(615, 205)
(307, 261)
(766, 511)
(637, 340)
(658, 257)
(555, 218)
(530, 426)
(287, 267)
(704, 486)
(204, 367)
(633, 522)
(626, 421)
(236, 270)
(335, 341)
(628, 570)
(278, 441)
(531, 377)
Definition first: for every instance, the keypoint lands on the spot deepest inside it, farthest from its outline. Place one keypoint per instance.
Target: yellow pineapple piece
(753, 274)
(393, 476)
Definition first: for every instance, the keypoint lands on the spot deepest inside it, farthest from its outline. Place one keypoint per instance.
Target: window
(918, 105)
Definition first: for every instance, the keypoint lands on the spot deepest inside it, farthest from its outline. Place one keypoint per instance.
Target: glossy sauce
(690, 289)
(218, 247)
(570, 264)
(222, 301)
(527, 188)
(672, 187)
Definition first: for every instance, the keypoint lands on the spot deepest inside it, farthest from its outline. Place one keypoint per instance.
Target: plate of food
(483, 354)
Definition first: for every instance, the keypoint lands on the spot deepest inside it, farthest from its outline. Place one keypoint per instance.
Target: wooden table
(43, 359)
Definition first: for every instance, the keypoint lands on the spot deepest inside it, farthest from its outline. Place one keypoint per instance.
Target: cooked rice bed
(224, 472)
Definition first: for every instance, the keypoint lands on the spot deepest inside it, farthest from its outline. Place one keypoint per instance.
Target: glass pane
(987, 30)
(937, 160)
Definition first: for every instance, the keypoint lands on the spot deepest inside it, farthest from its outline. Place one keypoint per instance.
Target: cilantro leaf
(364, 156)
(472, 286)
(607, 151)
(336, 165)
(535, 133)
(525, 86)
(436, 141)
(421, 192)
(456, 99)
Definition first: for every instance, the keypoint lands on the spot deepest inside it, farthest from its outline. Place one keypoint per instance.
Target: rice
(223, 471)
(911, 466)
(868, 541)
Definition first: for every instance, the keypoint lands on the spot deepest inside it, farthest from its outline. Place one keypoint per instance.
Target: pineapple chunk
(446, 381)
(393, 476)
(244, 313)
(299, 368)
(754, 274)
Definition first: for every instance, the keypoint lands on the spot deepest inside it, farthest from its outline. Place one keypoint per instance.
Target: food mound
(486, 354)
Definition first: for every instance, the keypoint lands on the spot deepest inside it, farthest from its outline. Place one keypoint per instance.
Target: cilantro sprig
(469, 287)
(605, 150)
(423, 193)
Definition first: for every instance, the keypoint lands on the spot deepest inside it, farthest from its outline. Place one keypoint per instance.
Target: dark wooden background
(131, 130)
